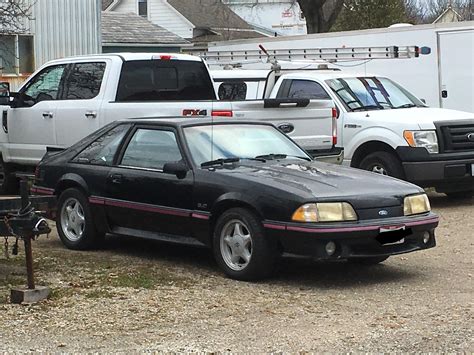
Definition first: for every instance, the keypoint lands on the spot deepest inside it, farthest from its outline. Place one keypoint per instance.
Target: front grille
(456, 137)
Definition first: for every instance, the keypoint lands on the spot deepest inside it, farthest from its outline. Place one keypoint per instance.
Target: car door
(141, 198)
(78, 114)
(31, 125)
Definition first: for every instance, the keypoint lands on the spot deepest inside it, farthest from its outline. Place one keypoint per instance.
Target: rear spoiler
(50, 151)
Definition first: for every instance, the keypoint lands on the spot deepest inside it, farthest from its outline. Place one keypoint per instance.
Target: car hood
(423, 117)
(317, 181)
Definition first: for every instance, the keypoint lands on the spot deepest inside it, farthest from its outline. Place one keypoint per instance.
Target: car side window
(232, 90)
(307, 89)
(102, 150)
(83, 81)
(46, 85)
(151, 149)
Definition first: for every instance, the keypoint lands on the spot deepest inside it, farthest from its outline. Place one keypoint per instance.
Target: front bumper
(382, 237)
(446, 172)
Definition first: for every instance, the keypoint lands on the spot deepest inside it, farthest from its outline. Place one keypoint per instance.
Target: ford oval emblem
(383, 212)
(470, 137)
(286, 127)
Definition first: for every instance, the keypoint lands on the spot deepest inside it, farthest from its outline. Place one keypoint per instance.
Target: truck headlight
(424, 139)
(325, 212)
(416, 204)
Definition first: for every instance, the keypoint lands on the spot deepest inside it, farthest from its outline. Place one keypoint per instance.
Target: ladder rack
(325, 54)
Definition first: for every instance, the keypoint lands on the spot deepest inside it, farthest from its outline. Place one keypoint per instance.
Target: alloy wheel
(73, 221)
(236, 245)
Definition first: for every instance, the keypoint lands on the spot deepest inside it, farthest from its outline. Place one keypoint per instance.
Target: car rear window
(164, 80)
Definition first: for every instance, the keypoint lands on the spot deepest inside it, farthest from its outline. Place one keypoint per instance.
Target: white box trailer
(445, 78)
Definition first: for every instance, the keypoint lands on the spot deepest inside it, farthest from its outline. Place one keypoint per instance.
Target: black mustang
(242, 188)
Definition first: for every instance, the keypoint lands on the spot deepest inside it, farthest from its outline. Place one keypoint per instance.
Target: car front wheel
(240, 246)
(74, 222)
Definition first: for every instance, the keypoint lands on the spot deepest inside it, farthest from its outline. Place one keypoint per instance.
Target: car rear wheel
(372, 260)
(240, 246)
(383, 163)
(74, 222)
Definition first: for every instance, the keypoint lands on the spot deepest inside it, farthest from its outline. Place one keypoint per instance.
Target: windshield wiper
(220, 161)
(406, 106)
(368, 107)
(279, 156)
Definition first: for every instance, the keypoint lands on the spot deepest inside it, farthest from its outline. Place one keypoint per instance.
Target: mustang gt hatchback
(244, 189)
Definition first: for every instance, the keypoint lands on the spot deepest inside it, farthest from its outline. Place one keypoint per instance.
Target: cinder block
(25, 295)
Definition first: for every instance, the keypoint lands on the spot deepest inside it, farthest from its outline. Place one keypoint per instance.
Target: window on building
(84, 80)
(143, 8)
(16, 54)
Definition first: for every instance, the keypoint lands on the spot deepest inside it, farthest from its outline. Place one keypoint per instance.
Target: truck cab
(384, 128)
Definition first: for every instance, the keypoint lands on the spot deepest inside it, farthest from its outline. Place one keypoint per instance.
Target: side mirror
(176, 168)
(4, 93)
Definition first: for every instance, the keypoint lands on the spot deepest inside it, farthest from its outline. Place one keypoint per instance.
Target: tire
(383, 163)
(9, 183)
(247, 242)
(76, 228)
(373, 260)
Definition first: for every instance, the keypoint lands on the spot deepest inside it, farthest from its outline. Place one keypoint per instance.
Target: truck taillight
(222, 113)
(334, 126)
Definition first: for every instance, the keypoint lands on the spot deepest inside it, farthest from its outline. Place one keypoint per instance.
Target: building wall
(161, 14)
(281, 16)
(66, 27)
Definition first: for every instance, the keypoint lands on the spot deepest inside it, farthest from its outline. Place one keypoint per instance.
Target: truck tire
(383, 163)
(9, 183)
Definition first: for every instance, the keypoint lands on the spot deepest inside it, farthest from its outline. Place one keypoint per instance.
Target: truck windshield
(234, 142)
(372, 93)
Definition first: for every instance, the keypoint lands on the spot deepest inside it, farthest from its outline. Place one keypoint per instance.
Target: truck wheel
(240, 246)
(372, 260)
(9, 183)
(383, 163)
(74, 222)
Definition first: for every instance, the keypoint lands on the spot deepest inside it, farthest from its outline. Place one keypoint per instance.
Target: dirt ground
(144, 296)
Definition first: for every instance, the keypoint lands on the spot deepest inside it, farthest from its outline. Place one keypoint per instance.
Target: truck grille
(456, 138)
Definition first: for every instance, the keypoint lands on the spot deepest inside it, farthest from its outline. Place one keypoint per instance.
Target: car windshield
(243, 141)
(372, 93)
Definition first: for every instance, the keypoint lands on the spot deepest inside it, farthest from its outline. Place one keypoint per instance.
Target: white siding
(127, 6)
(64, 28)
(162, 14)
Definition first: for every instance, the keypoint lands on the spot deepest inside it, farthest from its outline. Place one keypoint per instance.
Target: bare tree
(15, 16)
(320, 14)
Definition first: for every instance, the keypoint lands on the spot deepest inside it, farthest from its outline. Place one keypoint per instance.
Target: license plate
(391, 229)
(472, 169)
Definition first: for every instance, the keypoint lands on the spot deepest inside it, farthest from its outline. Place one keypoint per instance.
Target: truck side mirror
(4, 93)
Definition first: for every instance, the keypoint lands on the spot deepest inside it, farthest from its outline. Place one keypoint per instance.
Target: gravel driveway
(141, 295)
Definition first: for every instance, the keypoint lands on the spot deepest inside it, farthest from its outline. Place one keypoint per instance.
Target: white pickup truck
(67, 99)
(381, 125)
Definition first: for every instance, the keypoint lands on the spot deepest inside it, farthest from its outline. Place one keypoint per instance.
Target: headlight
(424, 139)
(325, 212)
(416, 204)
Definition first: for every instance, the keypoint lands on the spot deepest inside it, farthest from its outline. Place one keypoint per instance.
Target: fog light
(426, 237)
(330, 248)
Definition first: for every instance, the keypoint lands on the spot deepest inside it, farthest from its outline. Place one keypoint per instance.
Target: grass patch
(58, 293)
(99, 293)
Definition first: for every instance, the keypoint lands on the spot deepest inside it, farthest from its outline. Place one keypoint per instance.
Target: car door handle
(47, 115)
(116, 178)
(91, 114)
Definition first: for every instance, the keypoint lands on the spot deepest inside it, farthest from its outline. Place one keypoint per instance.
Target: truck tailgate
(308, 122)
